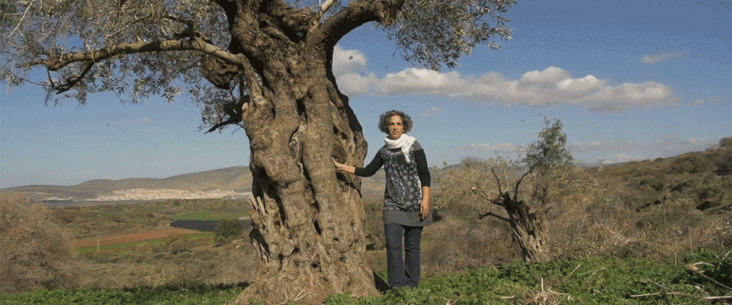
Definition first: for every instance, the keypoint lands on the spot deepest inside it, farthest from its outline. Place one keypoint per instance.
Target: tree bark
(307, 219)
(528, 231)
(527, 226)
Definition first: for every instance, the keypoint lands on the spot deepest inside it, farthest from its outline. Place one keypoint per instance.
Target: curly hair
(384, 121)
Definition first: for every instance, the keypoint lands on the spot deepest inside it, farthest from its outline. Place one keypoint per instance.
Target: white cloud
(669, 143)
(418, 81)
(349, 67)
(355, 83)
(551, 86)
(653, 59)
(610, 151)
(623, 150)
(430, 111)
(348, 61)
(500, 148)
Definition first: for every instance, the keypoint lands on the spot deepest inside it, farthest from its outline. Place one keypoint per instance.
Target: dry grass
(649, 209)
(180, 263)
(33, 254)
(36, 255)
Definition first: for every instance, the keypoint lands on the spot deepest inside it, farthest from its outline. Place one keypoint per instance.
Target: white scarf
(404, 142)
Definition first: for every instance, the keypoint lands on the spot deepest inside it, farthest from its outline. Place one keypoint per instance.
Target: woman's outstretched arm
(344, 168)
(367, 171)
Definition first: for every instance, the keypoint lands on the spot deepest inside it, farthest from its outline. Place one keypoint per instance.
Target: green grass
(129, 247)
(584, 281)
(208, 215)
(589, 280)
(158, 295)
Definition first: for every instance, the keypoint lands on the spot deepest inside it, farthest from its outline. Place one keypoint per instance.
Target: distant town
(139, 194)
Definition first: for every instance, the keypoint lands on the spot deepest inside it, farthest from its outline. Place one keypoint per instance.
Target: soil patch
(128, 238)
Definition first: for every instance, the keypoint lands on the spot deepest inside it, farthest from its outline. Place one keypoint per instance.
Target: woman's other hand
(424, 208)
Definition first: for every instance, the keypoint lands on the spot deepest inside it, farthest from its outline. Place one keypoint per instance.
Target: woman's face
(396, 127)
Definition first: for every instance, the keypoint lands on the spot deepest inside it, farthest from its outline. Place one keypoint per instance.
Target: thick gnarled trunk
(307, 220)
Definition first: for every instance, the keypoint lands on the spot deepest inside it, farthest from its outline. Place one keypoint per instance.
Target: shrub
(229, 228)
(725, 142)
(33, 252)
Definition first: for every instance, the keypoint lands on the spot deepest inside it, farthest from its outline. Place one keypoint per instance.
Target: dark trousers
(402, 254)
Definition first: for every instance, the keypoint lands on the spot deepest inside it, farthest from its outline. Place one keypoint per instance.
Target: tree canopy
(137, 49)
(550, 150)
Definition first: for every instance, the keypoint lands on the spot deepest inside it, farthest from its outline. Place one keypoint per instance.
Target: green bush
(229, 228)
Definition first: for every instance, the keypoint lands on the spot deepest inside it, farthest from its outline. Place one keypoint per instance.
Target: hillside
(236, 178)
(702, 179)
(702, 176)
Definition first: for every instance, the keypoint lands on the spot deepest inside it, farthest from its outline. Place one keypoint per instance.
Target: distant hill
(237, 178)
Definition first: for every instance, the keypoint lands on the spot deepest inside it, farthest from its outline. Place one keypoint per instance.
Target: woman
(406, 196)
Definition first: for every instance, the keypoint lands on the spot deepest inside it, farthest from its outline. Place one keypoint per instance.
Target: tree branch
(22, 18)
(496, 216)
(234, 110)
(498, 181)
(518, 183)
(56, 63)
(326, 5)
(355, 15)
(70, 84)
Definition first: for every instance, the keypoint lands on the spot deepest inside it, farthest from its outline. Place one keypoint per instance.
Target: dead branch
(636, 296)
(498, 181)
(518, 183)
(711, 298)
(570, 274)
(693, 268)
(496, 216)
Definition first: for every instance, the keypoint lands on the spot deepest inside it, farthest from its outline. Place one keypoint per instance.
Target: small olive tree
(494, 188)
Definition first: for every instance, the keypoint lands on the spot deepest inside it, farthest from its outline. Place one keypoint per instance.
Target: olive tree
(515, 192)
(266, 66)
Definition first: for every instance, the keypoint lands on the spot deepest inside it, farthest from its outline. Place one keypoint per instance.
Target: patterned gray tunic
(404, 182)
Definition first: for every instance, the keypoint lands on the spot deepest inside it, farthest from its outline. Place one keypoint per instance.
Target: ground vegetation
(612, 240)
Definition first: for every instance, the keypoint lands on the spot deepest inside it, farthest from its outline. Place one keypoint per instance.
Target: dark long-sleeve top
(404, 182)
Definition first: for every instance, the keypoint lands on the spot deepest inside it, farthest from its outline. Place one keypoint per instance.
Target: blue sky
(630, 80)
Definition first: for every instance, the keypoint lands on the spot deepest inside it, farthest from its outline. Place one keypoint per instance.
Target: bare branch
(481, 192)
(518, 183)
(495, 215)
(498, 181)
(326, 5)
